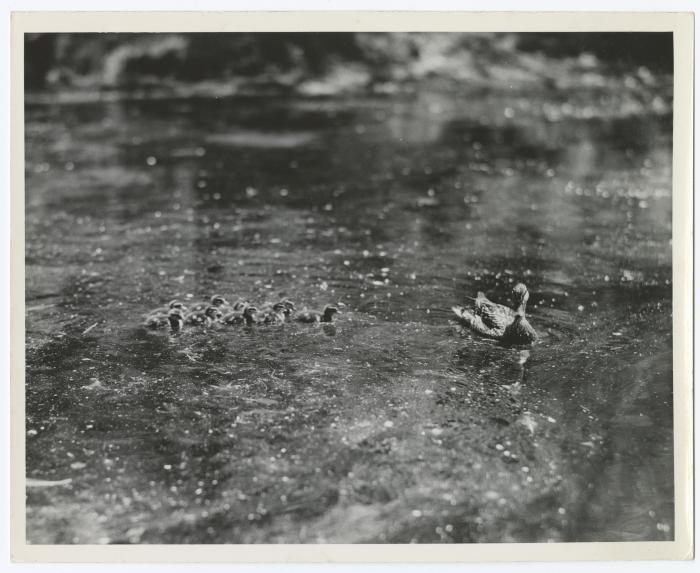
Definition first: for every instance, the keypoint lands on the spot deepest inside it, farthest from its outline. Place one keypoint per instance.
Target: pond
(392, 424)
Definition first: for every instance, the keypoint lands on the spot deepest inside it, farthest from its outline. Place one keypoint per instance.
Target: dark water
(391, 425)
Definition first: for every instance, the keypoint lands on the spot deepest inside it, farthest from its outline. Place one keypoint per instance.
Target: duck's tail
(461, 312)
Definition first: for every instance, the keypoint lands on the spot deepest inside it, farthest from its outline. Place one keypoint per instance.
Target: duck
(509, 325)
(206, 318)
(166, 309)
(277, 314)
(237, 315)
(174, 319)
(217, 300)
(314, 316)
(291, 308)
(250, 316)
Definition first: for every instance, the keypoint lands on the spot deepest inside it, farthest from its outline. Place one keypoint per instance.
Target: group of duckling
(241, 313)
(486, 318)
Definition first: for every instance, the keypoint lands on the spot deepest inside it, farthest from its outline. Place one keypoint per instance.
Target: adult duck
(314, 316)
(497, 321)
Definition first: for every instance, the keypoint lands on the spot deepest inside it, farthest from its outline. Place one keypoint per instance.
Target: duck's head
(330, 310)
(279, 307)
(177, 304)
(249, 311)
(218, 300)
(520, 294)
(213, 312)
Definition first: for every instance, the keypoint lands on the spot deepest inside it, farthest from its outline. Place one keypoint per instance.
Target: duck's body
(497, 321)
(314, 316)
(493, 315)
(208, 317)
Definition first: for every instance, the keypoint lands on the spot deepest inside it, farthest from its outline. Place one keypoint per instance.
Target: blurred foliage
(130, 60)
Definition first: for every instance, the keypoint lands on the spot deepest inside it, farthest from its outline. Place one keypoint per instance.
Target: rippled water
(391, 425)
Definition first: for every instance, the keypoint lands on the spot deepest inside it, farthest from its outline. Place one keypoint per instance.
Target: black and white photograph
(348, 287)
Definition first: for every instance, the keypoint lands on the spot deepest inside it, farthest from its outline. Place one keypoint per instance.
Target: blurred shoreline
(77, 68)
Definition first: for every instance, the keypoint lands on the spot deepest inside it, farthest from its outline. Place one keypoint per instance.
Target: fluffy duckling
(278, 314)
(314, 316)
(250, 316)
(174, 319)
(211, 315)
(290, 308)
(166, 309)
(497, 321)
(237, 316)
(217, 300)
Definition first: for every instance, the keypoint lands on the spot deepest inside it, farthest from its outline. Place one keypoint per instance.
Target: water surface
(392, 425)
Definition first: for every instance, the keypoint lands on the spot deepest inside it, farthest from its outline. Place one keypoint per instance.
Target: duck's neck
(520, 309)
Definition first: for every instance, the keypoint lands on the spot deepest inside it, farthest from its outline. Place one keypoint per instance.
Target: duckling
(237, 316)
(217, 300)
(177, 320)
(250, 315)
(174, 319)
(278, 314)
(211, 315)
(156, 321)
(497, 321)
(314, 316)
(290, 308)
(166, 309)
